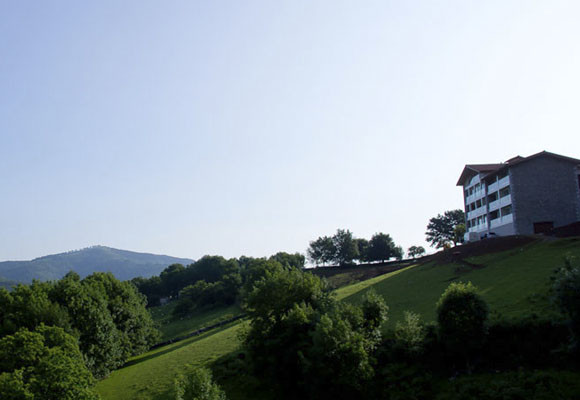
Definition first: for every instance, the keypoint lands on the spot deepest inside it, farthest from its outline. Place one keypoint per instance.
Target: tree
(43, 364)
(127, 308)
(381, 247)
(458, 233)
(398, 253)
(566, 289)
(172, 279)
(197, 385)
(295, 260)
(362, 246)
(462, 317)
(321, 250)
(441, 229)
(410, 334)
(99, 340)
(346, 249)
(416, 251)
(307, 344)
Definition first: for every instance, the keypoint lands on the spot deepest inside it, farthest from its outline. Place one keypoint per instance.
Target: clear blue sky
(251, 127)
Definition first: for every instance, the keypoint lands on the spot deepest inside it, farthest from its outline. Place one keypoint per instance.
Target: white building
(523, 195)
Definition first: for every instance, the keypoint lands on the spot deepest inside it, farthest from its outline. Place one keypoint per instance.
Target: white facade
(488, 206)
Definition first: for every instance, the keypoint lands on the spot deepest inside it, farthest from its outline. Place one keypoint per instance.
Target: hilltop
(123, 264)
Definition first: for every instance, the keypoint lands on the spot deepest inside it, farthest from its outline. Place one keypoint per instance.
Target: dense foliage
(462, 317)
(44, 363)
(106, 316)
(212, 281)
(197, 384)
(305, 342)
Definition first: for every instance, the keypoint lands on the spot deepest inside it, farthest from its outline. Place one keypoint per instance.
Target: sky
(251, 127)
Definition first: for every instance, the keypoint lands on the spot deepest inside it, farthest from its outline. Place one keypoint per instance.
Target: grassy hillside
(150, 376)
(171, 328)
(514, 282)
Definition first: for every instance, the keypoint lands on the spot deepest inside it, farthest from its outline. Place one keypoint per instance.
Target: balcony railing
(501, 221)
(501, 202)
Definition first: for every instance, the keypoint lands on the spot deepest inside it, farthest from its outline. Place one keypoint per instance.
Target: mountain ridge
(124, 264)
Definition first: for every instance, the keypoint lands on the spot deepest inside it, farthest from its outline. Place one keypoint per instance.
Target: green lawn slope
(150, 376)
(514, 282)
(172, 328)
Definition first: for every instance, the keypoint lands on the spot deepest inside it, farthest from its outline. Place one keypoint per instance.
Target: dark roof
(487, 169)
(474, 169)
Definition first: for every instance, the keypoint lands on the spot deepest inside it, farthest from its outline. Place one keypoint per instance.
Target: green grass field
(514, 283)
(171, 328)
(150, 376)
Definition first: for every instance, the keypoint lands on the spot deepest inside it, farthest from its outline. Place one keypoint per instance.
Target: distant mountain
(122, 263)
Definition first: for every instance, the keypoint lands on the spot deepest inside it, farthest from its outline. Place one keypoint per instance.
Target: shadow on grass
(178, 345)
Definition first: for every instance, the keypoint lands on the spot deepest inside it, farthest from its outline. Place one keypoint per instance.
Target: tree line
(211, 281)
(344, 249)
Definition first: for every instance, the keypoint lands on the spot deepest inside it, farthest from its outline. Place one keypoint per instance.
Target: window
(478, 204)
(472, 206)
(502, 174)
(470, 191)
(504, 192)
(479, 220)
(483, 202)
(492, 197)
(493, 215)
(507, 210)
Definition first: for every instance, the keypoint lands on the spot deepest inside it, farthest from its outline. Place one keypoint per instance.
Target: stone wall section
(544, 189)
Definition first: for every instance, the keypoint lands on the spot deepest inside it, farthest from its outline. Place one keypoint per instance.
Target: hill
(122, 263)
(513, 275)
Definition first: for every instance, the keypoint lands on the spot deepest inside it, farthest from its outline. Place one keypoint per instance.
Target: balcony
(495, 186)
(475, 196)
(503, 182)
(477, 212)
(501, 202)
(501, 221)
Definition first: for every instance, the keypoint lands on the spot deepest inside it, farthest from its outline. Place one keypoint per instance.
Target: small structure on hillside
(522, 196)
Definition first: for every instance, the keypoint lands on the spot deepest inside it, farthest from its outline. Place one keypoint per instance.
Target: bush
(462, 317)
(410, 334)
(537, 385)
(198, 385)
(566, 288)
(529, 342)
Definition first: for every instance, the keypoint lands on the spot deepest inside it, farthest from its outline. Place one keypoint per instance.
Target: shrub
(537, 385)
(410, 334)
(462, 317)
(528, 342)
(197, 385)
(566, 288)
